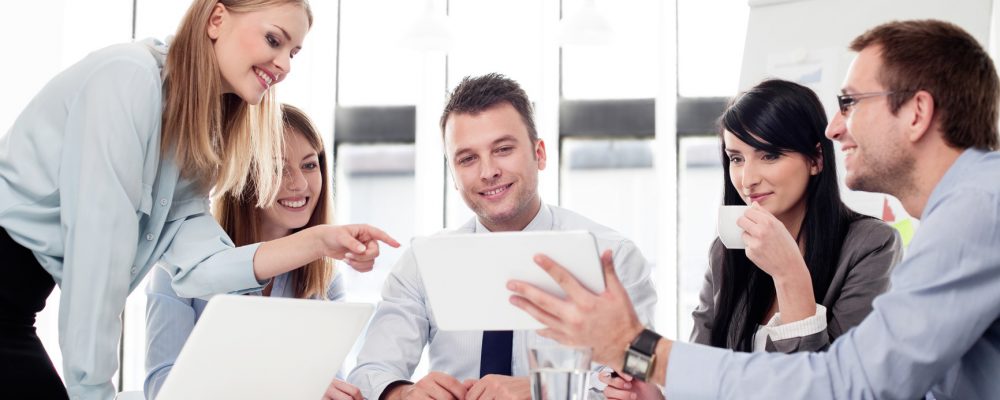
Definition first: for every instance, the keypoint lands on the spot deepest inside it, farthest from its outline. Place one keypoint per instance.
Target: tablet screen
(465, 275)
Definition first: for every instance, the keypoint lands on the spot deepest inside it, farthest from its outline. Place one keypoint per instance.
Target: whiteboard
(806, 41)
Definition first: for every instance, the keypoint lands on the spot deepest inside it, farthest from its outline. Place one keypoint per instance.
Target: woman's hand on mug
(769, 245)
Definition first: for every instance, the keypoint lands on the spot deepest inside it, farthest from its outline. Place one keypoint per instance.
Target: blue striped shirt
(935, 332)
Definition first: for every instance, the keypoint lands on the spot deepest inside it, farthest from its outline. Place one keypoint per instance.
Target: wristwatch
(641, 355)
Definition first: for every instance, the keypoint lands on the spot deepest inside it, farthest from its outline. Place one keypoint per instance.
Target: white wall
(807, 27)
(806, 41)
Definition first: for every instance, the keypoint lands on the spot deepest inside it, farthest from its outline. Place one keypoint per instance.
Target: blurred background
(626, 93)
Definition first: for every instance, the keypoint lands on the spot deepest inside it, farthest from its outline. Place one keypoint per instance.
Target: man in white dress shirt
(494, 154)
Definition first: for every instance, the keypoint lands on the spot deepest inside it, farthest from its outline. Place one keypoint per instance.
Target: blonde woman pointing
(107, 171)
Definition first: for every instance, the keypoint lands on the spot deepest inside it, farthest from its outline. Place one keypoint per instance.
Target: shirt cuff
(809, 326)
(694, 371)
(241, 275)
(381, 388)
(595, 382)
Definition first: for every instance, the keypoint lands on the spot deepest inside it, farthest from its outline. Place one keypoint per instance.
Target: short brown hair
(943, 59)
(473, 95)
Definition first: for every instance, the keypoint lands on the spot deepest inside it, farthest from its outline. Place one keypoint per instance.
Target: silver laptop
(466, 275)
(251, 347)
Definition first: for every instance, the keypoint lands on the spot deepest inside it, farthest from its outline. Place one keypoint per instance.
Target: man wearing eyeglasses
(918, 120)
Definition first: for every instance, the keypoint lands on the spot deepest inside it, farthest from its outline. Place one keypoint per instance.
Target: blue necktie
(495, 357)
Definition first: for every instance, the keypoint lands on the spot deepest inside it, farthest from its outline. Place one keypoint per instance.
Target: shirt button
(133, 270)
(163, 202)
(149, 236)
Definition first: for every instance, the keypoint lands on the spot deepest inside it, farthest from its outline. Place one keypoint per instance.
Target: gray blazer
(870, 250)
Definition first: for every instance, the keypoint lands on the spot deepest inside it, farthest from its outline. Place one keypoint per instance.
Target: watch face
(636, 364)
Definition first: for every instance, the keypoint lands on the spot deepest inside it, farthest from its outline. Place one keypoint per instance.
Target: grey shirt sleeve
(870, 251)
(704, 314)
(868, 254)
(933, 330)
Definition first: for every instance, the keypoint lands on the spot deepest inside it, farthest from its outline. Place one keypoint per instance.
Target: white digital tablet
(252, 347)
(465, 275)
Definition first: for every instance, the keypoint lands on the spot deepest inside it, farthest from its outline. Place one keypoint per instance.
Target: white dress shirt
(776, 331)
(404, 323)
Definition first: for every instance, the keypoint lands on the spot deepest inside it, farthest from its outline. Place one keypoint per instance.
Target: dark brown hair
(473, 95)
(944, 60)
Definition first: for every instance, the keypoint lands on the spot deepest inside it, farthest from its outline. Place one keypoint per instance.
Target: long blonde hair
(215, 138)
(241, 218)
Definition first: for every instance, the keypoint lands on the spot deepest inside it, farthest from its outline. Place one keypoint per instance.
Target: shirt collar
(953, 177)
(543, 221)
(157, 49)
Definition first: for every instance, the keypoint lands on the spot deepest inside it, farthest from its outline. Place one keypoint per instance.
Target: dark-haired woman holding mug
(812, 266)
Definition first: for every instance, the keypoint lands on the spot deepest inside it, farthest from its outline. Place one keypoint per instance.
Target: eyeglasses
(846, 101)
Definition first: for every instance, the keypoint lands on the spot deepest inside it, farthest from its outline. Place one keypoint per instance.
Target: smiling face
(301, 186)
(870, 135)
(254, 49)
(777, 182)
(495, 166)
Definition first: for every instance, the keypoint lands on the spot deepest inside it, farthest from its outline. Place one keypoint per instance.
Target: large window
(375, 97)
(607, 130)
(624, 68)
(608, 180)
(372, 179)
(375, 67)
(379, 84)
(700, 192)
(485, 43)
(710, 40)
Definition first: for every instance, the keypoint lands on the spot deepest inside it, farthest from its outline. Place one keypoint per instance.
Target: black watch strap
(646, 342)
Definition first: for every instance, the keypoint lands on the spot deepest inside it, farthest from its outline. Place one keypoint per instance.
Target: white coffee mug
(730, 233)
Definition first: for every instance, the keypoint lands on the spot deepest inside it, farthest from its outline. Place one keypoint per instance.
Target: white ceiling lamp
(430, 32)
(585, 27)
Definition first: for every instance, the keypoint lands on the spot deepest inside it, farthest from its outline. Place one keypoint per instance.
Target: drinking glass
(558, 372)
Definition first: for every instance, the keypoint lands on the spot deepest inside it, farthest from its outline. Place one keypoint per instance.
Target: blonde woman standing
(107, 171)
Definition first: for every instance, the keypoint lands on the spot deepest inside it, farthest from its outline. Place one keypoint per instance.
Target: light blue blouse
(170, 319)
(82, 185)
